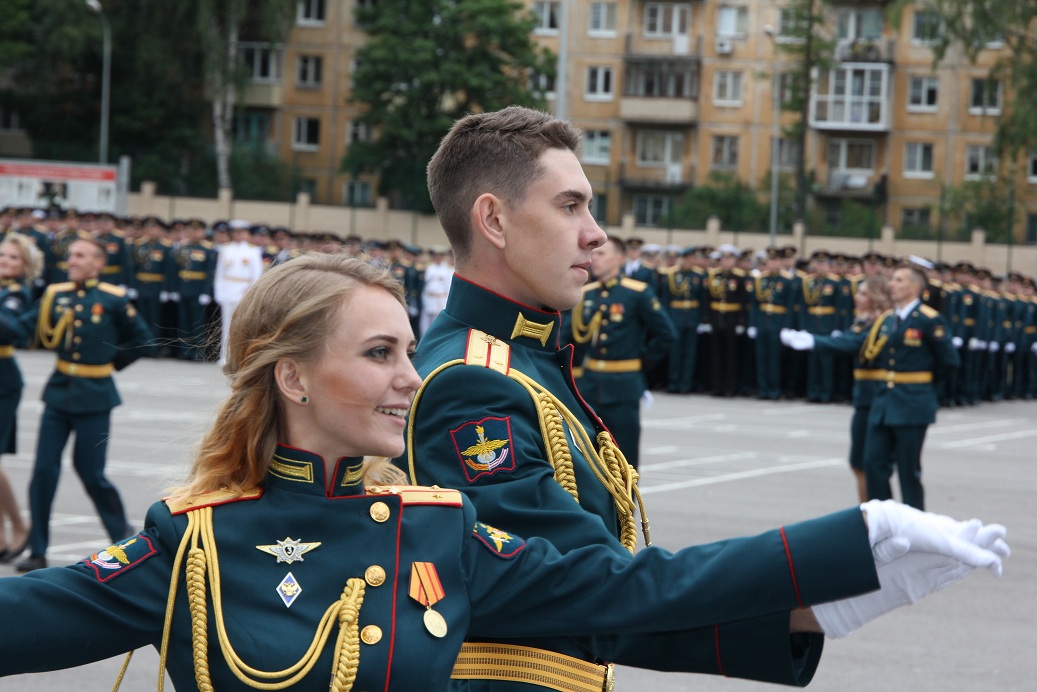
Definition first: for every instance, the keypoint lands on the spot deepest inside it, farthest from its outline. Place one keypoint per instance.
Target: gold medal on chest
(427, 589)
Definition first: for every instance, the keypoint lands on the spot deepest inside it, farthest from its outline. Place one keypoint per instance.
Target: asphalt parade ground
(711, 469)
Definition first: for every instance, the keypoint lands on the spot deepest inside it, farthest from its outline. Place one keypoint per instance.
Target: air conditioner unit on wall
(724, 46)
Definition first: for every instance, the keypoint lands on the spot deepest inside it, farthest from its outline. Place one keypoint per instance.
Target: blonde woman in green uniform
(20, 264)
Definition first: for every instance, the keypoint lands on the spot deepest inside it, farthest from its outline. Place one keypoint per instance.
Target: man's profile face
(85, 261)
(549, 234)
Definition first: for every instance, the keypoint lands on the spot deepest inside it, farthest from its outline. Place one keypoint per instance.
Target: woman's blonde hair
(32, 258)
(877, 287)
(288, 313)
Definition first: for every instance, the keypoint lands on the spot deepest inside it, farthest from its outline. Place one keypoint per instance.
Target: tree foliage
(727, 198)
(424, 65)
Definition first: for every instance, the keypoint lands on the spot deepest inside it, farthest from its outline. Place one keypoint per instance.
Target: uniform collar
(300, 471)
(611, 283)
(502, 317)
(88, 284)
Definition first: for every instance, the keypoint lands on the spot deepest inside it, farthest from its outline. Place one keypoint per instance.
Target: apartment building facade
(669, 92)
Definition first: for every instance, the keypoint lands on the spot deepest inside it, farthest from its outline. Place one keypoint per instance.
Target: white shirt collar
(906, 310)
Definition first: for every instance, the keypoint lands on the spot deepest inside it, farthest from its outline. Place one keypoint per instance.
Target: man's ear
(291, 381)
(488, 219)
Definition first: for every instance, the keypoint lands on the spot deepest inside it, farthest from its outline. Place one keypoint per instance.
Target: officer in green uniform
(965, 322)
(726, 315)
(618, 329)
(682, 293)
(770, 303)
(820, 312)
(1024, 373)
(117, 266)
(154, 273)
(93, 329)
(196, 265)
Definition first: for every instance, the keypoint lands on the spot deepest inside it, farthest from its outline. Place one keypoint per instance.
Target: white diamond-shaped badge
(288, 590)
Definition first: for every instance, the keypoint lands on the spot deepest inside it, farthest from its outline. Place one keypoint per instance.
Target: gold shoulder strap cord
(583, 332)
(199, 545)
(606, 460)
(874, 344)
(47, 334)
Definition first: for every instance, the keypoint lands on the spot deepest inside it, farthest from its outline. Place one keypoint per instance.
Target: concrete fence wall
(380, 222)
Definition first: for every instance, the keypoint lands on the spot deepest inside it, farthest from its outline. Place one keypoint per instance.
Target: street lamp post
(106, 71)
(775, 142)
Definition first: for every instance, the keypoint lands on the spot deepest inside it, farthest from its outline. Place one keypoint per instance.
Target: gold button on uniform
(375, 575)
(380, 512)
(372, 634)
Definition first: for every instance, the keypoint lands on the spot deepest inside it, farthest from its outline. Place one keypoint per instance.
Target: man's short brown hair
(497, 152)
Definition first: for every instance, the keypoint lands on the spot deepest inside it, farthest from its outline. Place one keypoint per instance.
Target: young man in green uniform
(93, 329)
(681, 292)
(499, 417)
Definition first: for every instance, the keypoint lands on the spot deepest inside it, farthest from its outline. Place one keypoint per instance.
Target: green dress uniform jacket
(269, 566)
(770, 298)
(117, 268)
(14, 300)
(821, 301)
(154, 278)
(682, 295)
(521, 442)
(727, 309)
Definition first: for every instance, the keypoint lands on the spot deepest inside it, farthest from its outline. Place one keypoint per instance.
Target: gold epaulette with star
(63, 286)
(419, 494)
(928, 311)
(213, 498)
(112, 288)
(591, 286)
(633, 284)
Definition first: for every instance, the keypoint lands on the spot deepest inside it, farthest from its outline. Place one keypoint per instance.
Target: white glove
(132, 293)
(412, 310)
(836, 333)
(704, 328)
(905, 577)
(797, 340)
(1033, 347)
(1010, 347)
(751, 332)
(163, 296)
(204, 299)
(957, 342)
(994, 347)
(895, 528)
(974, 344)
(739, 330)
(175, 297)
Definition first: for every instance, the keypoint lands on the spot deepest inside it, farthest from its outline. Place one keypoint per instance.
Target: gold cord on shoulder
(49, 335)
(874, 344)
(811, 290)
(583, 332)
(199, 544)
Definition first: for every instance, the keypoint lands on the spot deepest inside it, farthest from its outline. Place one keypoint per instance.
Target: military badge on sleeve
(500, 543)
(120, 558)
(484, 447)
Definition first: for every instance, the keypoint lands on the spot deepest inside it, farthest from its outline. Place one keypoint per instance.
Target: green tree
(986, 203)
(723, 196)
(427, 63)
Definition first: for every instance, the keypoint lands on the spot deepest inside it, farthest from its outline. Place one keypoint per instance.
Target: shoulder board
(935, 282)
(419, 494)
(591, 286)
(928, 311)
(832, 277)
(738, 272)
(140, 241)
(487, 352)
(669, 270)
(117, 233)
(166, 242)
(633, 284)
(111, 288)
(215, 498)
(802, 274)
(14, 287)
(207, 244)
(63, 286)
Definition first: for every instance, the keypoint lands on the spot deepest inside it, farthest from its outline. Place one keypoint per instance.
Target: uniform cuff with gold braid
(555, 671)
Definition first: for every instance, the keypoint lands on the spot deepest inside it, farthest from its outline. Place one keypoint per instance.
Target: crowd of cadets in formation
(164, 265)
(994, 319)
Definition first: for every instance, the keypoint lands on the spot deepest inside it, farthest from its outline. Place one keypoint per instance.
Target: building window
(661, 78)
(859, 24)
(659, 149)
(1031, 228)
(851, 155)
(543, 85)
(979, 162)
(985, 97)
(1031, 167)
(306, 134)
(310, 13)
(262, 62)
(926, 28)
(599, 206)
(308, 75)
(650, 210)
(602, 19)
(10, 119)
(599, 84)
(357, 193)
(252, 127)
(597, 146)
(732, 21)
(923, 94)
(918, 160)
(792, 25)
(357, 132)
(307, 186)
(724, 153)
(788, 152)
(545, 14)
(916, 218)
(727, 88)
(852, 96)
(666, 19)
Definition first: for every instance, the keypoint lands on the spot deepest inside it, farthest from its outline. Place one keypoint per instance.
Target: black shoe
(33, 562)
(9, 555)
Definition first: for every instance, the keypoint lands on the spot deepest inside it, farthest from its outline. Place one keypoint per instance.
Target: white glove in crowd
(916, 553)
(751, 332)
(739, 329)
(163, 296)
(704, 328)
(994, 346)
(204, 299)
(1010, 347)
(797, 339)
(956, 341)
(1033, 347)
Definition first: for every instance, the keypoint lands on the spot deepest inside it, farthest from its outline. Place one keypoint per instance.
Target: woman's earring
(305, 400)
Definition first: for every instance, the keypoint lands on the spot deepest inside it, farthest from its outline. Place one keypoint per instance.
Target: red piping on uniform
(716, 640)
(556, 313)
(395, 593)
(792, 569)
